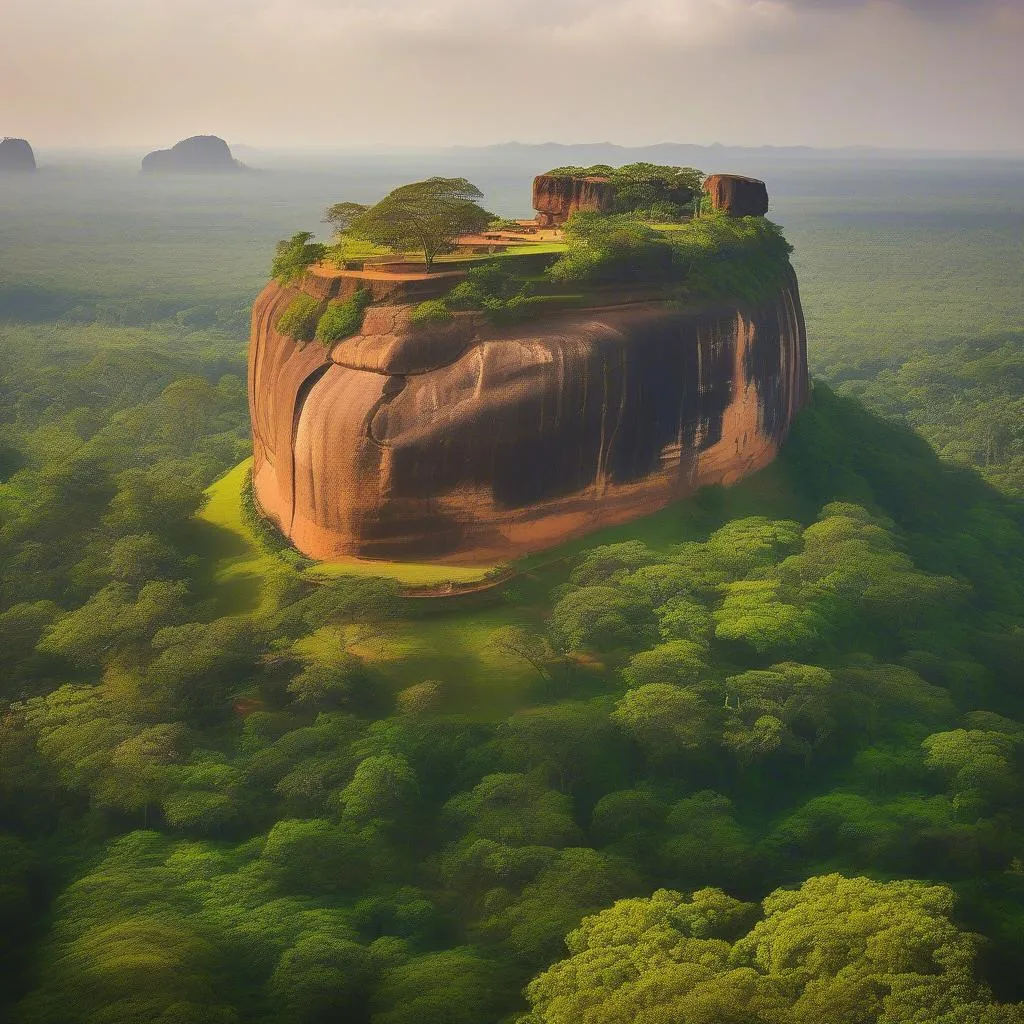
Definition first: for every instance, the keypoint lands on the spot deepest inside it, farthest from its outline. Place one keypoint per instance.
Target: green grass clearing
(448, 640)
(412, 574)
(244, 556)
(239, 567)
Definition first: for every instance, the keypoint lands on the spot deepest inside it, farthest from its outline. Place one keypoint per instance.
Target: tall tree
(424, 215)
(837, 950)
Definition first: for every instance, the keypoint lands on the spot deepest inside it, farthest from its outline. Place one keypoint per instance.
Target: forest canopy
(804, 675)
(230, 794)
(836, 949)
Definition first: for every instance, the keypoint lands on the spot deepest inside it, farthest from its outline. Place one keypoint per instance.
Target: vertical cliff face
(464, 443)
(557, 197)
(737, 196)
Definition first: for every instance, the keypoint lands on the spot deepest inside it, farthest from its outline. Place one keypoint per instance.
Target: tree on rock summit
(423, 216)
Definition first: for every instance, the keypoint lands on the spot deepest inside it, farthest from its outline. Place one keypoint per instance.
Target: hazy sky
(916, 73)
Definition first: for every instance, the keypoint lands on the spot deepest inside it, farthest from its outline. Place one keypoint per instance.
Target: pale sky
(934, 74)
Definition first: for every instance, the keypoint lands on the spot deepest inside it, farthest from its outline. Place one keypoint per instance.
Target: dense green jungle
(758, 757)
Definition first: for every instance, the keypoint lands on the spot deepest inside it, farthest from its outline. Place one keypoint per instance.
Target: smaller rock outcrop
(737, 196)
(16, 155)
(201, 154)
(556, 197)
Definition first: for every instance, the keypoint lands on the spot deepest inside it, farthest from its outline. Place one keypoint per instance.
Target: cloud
(347, 72)
(924, 8)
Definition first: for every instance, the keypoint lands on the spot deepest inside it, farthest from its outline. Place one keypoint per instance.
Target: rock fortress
(462, 441)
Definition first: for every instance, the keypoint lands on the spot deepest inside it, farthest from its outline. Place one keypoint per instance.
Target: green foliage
(612, 249)
(425, 216)
(327, 687)
(678, 731)
(739, 257)
(292, 256)
(664, 719)
(680, 662)
(602, 617)
(712, 257)
(653, 191)
(324, 804)
(301, 317)
(454, 986)
(269, 537)
(980, 766)
(962, 394)
(503, 297)
(341, 215)
(835, 949)
(382, 786)
(432, 311)
(343, 317)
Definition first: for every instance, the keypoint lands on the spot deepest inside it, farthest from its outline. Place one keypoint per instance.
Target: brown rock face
(463, 443)
(556, 198)
(738, 196)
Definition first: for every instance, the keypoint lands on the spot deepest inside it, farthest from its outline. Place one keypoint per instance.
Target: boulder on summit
(737, 196)
(556, 197)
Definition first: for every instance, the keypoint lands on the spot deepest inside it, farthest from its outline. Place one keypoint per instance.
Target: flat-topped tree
(423, 216)
(341, 215)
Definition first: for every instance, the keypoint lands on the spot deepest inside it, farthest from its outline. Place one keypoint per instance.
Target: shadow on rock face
(485, 444)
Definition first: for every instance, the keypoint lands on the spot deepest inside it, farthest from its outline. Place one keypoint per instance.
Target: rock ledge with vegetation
(446, 432)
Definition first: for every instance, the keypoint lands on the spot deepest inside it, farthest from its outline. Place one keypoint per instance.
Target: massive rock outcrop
(461, 442)
(737, 196)
(556, 197)
(201, 154)
(16, 155)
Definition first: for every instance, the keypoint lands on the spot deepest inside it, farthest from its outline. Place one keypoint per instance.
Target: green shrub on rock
(299, 320)
(293, 255)
(433, 311)
(343, 317)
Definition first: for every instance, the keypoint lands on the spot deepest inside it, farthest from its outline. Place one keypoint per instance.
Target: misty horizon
(919, 75)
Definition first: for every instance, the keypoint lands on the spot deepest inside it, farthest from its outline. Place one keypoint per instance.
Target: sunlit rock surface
(464, 443)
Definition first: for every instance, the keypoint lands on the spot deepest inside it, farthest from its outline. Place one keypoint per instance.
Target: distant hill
(16, 155)
(201, 154)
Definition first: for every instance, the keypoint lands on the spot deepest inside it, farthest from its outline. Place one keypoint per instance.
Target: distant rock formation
(16, 155)
(201, 154)
(738, 196)
(557, 197)
(467, 443)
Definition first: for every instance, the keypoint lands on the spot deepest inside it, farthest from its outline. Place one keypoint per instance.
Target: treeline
(41, 304)
(203, 823)
(966, 396)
